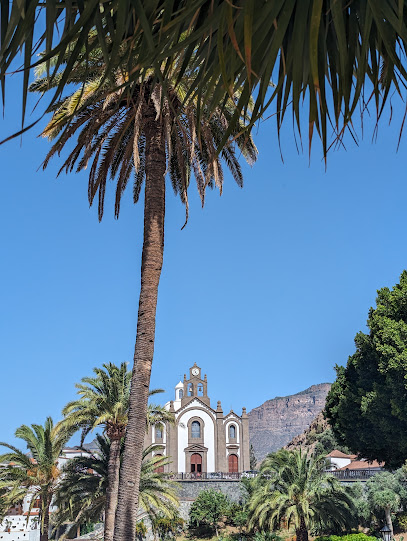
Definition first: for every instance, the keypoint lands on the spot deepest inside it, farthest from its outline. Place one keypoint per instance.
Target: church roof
(179, 385)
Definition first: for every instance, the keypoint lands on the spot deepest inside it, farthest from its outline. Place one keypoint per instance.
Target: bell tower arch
(195, 386)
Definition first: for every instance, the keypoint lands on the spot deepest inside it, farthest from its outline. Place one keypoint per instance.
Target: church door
(196, 464)
(233, 464)
(160, 469)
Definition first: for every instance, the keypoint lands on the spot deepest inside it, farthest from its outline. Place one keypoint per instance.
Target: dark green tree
(208, 510)
(367, 404)
(253, 459)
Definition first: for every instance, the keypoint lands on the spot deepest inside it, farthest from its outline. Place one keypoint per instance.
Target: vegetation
(383, 493)
(82, 493)
(149, 134)
(165, 527)
(353, 48)
(366, 404)
(348, 537)
(104, 401)
(208, 510)
(294, 489)
(253, 459)
(36, 476)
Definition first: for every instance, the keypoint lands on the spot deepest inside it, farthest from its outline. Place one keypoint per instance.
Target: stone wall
(189, 491)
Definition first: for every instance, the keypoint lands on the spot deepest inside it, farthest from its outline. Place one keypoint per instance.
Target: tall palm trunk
(151, 264)
(302, 532)
(45, 523)
(112, 490)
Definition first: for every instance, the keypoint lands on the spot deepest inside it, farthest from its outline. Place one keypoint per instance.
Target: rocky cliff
(276, 422)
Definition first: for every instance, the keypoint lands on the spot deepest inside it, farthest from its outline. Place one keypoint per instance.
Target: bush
(141, 530)
(348, 537)
(208, 510)
(401, 522)
(266, 536)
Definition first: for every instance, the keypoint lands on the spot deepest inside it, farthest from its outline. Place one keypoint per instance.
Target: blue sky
(265, 288)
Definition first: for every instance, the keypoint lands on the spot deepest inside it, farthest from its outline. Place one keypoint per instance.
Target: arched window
(232, 432)
(180, 394)
(190, 389)
(159, 431)
(200, 389)
(195, 429)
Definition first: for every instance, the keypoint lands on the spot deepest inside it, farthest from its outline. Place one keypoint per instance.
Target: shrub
(348, 537)
(141, 530)
(401, 521)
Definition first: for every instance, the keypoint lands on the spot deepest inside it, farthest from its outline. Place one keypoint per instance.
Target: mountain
(309, 438)
(276, 422)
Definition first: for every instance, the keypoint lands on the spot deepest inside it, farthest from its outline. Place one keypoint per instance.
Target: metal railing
(214, 476)
(356, 475)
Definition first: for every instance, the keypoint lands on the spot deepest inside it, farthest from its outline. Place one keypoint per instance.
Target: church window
(159, 432)
(190, 389)
(232, 432)
(180, 394)
(200, 389)
(195, 429)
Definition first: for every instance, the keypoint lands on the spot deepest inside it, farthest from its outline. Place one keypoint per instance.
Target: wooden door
(233, 464)
(160, 469)
(196, 463)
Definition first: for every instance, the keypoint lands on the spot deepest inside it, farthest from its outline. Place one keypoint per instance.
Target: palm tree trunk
(388, 520)
(302, 532)
(151, 264)
(45, 525)
(112, 488)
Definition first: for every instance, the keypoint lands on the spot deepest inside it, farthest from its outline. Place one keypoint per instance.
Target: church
(203, 440)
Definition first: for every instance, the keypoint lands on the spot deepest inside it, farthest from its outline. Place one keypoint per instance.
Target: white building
(203, 440)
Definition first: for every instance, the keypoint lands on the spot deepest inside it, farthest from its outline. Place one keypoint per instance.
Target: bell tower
(195, 386)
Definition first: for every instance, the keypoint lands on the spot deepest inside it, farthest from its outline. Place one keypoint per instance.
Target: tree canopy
(335, 54)
(367, 404)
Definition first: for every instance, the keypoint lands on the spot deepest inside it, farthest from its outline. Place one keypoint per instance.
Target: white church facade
(203, 440)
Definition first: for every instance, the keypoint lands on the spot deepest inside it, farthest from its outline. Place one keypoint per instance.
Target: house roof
(338, 454)
(362, 465)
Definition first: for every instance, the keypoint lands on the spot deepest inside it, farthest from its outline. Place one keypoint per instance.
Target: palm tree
(144, 131)
(294, 488)
(81, 495)
(104, 401)
(38, 475)
(331, 53)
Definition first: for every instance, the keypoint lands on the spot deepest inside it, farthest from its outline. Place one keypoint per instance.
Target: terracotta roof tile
(362, 465)
(338, 454)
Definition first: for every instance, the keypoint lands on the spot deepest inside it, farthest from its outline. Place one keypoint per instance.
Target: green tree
(82, 493)
(37, 475)
(322, 51)
(293, 487)
(208, 510)
(104, 401)
(366, 405)
(253, 459)
(119, 134)
(383, 494)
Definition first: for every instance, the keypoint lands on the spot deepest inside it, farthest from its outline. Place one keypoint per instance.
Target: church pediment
(231, 417)
(195, 403)
(196, 448)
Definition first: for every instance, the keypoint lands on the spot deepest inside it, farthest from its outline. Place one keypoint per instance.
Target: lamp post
(386, 533)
